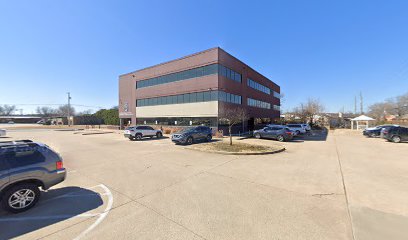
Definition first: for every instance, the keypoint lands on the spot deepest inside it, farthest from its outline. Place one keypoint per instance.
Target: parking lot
(343, 186)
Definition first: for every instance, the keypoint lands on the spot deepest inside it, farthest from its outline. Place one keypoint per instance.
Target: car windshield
(129, 128)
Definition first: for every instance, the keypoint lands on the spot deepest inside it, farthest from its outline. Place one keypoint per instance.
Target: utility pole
(355, 104)
(69, 108)
(361, 103)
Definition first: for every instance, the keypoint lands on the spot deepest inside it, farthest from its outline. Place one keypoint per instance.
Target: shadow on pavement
(54, 206)
(151, 139)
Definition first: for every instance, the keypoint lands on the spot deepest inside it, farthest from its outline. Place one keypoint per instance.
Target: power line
(50, 104)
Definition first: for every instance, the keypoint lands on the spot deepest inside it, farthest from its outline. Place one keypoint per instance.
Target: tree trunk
(229, 130)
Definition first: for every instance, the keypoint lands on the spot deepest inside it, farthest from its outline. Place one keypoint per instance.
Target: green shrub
(109, 116)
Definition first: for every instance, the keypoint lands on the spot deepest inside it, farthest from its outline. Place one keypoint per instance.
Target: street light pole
(69, 108)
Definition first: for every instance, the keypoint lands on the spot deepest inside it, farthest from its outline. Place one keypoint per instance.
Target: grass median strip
(236, 148)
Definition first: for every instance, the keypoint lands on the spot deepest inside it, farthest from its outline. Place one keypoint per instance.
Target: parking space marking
(101, 216)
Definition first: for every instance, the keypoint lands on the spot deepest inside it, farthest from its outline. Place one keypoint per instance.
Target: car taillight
(59, 165)
(289, 133)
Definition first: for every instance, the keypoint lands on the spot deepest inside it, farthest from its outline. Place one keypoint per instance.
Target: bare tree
(46, 111)
(396, 106)
(65, 109)
(7, 109)
(309, 110)
(232, 116)
(402, 104)
(313, 107)
(380, 110)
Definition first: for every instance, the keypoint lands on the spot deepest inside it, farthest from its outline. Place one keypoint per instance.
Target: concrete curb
(238, 153)
(96, 133)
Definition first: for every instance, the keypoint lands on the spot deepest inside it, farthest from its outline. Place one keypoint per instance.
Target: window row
(251, 83)
(276, 107)
(191, 73)
(257, 103)
(229, 97)
(190, 98)
(277, 95)
(229, 73)
(178, 121)
(173, 77)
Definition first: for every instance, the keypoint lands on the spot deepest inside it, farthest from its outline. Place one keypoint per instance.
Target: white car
(139, 132)
(2, 132)
(297, 128)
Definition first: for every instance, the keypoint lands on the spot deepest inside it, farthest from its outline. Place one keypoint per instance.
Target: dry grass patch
(225, 147)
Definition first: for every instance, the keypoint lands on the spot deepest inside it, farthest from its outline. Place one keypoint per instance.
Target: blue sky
(330, 50)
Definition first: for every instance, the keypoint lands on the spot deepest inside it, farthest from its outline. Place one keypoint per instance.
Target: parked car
(139, 132)
(10, 122)
(192, 135)
(280, 133)
(384, 131)
(376, 131)
(3, 132)
(297, 128)
(25, 167)
(396, 134)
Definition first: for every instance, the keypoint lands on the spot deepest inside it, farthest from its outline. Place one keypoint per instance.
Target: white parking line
(102, 216)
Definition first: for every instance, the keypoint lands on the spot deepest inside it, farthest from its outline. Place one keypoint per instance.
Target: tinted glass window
(192, 73)
(180, 99)
(200, 97)
(404, 131)
(24, 157)
(206, 96)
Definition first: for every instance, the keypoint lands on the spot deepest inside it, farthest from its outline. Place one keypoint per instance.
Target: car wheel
(159, 135)
(280, 138)
(190, 140)
(373, 135)
(258, 135)
(138, 137)
(396, 139)
(21, 197)
(209, 138)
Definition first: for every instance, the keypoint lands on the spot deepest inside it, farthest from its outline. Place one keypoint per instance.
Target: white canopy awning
(362, 118)
(359, 120)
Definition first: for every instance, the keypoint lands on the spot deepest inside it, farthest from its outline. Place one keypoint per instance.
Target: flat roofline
(246, 65)
(177, 59)
(198, 53)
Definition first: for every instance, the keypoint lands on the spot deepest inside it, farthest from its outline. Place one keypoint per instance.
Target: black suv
(376, 131)
(396, 134)
(191, 135)
(26, 166)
